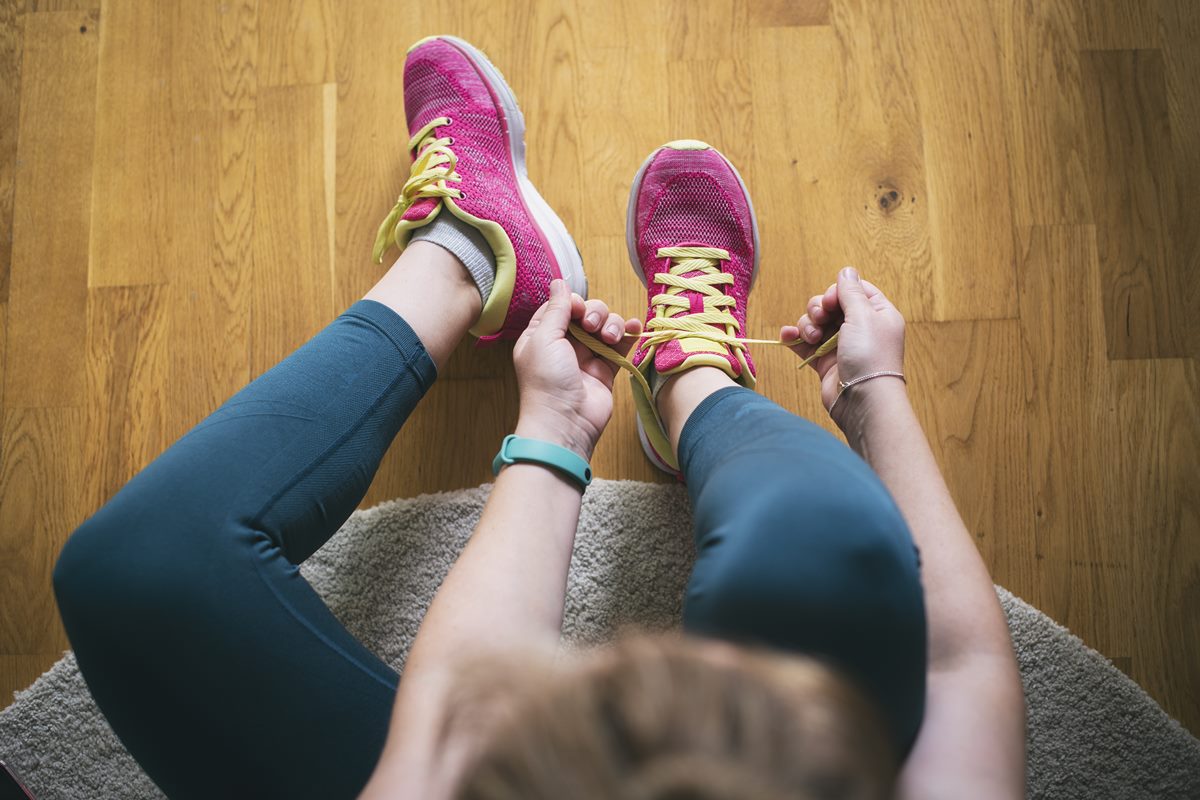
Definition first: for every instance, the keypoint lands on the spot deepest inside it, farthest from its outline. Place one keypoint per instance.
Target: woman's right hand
(870, 338)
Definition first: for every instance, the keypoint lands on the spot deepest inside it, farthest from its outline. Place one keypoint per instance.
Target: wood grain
(1117, 24)
(11, 25)
(291, 223)
(1083, 556)
(967, 382)
(1180, 36)
(1133, 190)
(1038, 46)
(194, 188)
(967, 180)
(48, 283)
(298, 42)
(39, 486)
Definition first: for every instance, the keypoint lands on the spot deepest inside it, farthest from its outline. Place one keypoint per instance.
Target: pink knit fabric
(441, 81)
(693, 198)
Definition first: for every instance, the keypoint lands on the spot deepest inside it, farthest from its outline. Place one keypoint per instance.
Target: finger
(829, 300)
(557, 311)
(578, 304)
(851, 294)
(595, 314)
(633, 327)
(808, 331)
(793, 339)
(816, 312)
(614, 326)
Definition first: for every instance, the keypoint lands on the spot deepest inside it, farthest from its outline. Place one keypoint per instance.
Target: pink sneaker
(693, 241)
(468, 145)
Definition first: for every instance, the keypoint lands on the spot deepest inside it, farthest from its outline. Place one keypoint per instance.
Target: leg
(799, 546)
(215, 662)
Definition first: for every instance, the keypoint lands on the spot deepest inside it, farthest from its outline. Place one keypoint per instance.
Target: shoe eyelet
(449, 122)
(462, 195)
(449, 140)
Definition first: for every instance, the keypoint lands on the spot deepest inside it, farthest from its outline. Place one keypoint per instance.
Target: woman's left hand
(566, 390)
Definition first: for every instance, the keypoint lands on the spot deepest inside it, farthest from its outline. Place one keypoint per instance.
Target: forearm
(505, 594)
(965, 618)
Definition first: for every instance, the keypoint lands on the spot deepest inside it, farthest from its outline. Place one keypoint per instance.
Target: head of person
(669, 718)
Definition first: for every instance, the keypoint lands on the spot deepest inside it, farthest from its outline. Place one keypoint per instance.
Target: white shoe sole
(565, 251)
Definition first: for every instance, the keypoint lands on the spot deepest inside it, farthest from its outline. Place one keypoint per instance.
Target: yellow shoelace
(433, 166)
(671, 320)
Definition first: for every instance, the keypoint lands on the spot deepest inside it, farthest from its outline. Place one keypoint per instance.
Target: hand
(566, 390)
(870, 338)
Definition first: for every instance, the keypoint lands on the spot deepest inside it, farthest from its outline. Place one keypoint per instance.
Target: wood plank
(292, 296)
(237, 53)
(626, 116)
(37, 6)
(160, 83)
(299, 42)
(11, 35)
(1131, 181)
(1038, 44)
(785, 13)
(703, 31)
(967, 174)
(211, 302)
(1180, 37)
(838, 176)
(1083, 558)
(1117, 24)
(1152, 504)
(39, 506)
(967, 384)
(128, 417)
(48, 283)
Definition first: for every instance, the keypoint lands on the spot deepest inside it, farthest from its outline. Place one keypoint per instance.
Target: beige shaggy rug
(1093, 733)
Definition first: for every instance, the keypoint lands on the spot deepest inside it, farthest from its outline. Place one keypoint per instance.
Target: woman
(814, 663)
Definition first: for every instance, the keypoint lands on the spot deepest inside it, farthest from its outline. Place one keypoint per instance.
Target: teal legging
(224, 674)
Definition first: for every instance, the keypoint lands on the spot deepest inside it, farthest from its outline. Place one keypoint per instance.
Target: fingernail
(849, 272)
(593, 319)
(612, 330)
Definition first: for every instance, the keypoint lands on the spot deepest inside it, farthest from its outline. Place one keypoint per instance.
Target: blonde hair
(669, 718)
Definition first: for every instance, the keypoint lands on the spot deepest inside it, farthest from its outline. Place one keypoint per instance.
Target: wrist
(555, 429)
(864, 404)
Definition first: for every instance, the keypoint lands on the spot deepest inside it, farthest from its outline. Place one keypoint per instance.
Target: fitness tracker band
(515, 449)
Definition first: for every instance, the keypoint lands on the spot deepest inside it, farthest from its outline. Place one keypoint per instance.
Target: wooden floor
(189, 190)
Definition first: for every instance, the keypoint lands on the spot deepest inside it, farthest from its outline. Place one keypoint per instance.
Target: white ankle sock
(468, 246)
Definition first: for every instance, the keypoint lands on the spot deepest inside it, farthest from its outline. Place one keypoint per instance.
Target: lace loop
(433, 165)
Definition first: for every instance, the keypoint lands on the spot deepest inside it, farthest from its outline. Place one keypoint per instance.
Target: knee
(795, 563)
(85, 575)
(115, 569)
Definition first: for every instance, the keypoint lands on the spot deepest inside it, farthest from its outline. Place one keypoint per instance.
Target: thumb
(851, 294)
(557, 315)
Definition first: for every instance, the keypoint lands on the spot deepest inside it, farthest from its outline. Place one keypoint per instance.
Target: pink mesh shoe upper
(693, 198)
(441, 81)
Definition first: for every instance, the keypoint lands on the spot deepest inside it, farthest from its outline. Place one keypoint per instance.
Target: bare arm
(973, 737)
(972, 740)
(505, 594)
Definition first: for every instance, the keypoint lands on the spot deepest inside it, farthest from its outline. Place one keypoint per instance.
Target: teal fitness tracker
(515, 449)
